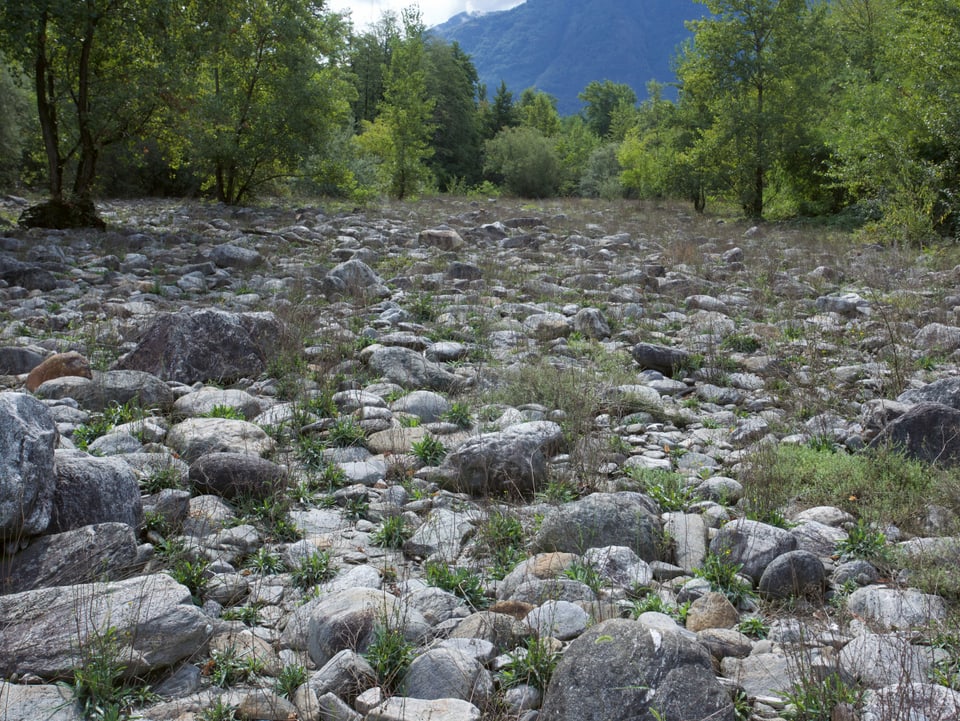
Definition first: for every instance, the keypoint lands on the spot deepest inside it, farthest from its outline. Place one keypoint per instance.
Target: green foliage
(532, 665)
(557, 491)
(946, 672)
(265, 561)
(429, 450)
(230, 667)
(602, 102)
(813, 698)
(537, 110)
(458, 414)
(228, 412)
(524, 161)
(601, 174)
(585, 574)
(14, 122)
(724, 577)
(754, 626)
(390, 655)
(864, 542)
(668, 489)
(392, 533)
(313, 569)
(461, 582)
(291, 677)
(500, 537)
(192, 574)
(346, 432)
(219, 711)
(160, 478)
(741, 343)
(98, 681)
(248, 615)
(652, 602)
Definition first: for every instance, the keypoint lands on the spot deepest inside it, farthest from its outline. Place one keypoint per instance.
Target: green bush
(533, 665)
(393, 532)
(429, 450)
(390, 655)
(461, 582)
(524, 161)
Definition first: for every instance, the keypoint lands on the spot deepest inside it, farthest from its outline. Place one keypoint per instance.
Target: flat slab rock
(401, 708)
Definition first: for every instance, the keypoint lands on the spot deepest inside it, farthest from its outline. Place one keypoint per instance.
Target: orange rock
(57, 366)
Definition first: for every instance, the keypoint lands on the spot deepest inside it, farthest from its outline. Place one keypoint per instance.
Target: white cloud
(433, 12)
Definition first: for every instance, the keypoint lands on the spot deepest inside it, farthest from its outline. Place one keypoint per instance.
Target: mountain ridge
(559, 46)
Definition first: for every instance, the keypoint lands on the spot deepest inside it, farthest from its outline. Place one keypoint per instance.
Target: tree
(400, 136)
(574, 144)
(369, 59)
(270, 90)
(603, 100)
(102, 71)
(501, 113)
(538, 110)
(452, 86)
(13, 122)
(758, 67)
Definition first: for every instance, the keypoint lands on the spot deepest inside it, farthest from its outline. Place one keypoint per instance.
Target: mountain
(559, 46)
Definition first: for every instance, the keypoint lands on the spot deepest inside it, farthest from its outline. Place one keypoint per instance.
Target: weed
(500, 537)
(723, 577)
(315, 568)
(864, 542)
(248, 615)
(429, 450)
(220, 711)
(161, 478)
(585, 574)
(741, 343)
(408, 421)
(754, 627)
(668, 489)
(461, 582)
(532, 665)
(98, 680)
(815, 699)
(392, 533)
(652, 602)
(224, 411)
(458, 414)
(390, 655)
(346, 432)
(229, 668)
(291, 677)
(557, 491)
(356, 507)
(423, 308)
(192, 574)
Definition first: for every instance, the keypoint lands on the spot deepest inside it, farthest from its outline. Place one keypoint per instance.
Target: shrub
(723, 577)
(668, 489)
(533, 665)
(393, 532)
(315, 568)
(863, 542)
(524, 161)
(461, 582)
(458, 414)
(429, 450)
(390, 655)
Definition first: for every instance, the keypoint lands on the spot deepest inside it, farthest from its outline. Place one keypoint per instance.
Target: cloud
(433, 12)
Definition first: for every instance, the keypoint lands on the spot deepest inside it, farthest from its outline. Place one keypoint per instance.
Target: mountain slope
(559, 46)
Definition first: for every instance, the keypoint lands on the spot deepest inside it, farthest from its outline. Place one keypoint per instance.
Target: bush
(525, 162)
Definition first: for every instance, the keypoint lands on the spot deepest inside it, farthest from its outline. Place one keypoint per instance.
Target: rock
(619, 566)
(711, 610)
(332, 708)
(751, 544)
(601, 519)
(761, 674)
(558, 619)
(402, 708)
(656, 675)
(725, 642)
(442, 238)
(91, 490)
(233, 475)
(883, 660)
(45, 630)
(57, 366)
(441, 534)
(90, 553)
(503, 631)
(945, 391)
(410, 369)
(913, 701)
(509, 461)
(938, 338)
(111, 387)
(46, 702)
(228, 255)
(547, 326)
(205, 345)
(442, 673)
(264, 705)
(891, 608)
(660, 358)
(27, 483)
(689, 534)
(196, 437)
(355, 278)
(590, 323)
(928, 432)
(348, 619)
(15, 360)
(425, 405)
(204, 401)
(793, 574)
(347, 674)
(30, 276)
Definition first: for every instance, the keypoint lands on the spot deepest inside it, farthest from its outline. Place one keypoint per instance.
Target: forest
(840, 109)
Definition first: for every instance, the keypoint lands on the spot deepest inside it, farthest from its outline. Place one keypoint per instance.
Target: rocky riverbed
(466, 459)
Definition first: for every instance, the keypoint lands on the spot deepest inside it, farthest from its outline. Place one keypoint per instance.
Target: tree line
(779, 108)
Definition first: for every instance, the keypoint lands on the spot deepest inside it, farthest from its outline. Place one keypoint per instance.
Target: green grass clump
(458, 414)
(461, 582)
(346, 432)
(429, 450)
(392, 533)
(813, 699)
(585, 574)
(652, 602)
(723, 577)
(533, 665)
(668, 489)
(315, 568)
(291, 677)
(500, 538)
(865, 543)
(390, 655)
(229, 667)
(99, 684)
(225, 411)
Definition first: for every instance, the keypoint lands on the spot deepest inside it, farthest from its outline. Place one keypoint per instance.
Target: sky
(433, 12)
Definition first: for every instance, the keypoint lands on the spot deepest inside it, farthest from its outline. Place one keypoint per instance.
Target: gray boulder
(667, 360)
(28, 435)
(105, 550)
(92, 490)
(622, 670)
(204, 401)
(795, 573)
(347, 674)
(928, 432)
(877, 660)
(448, 673)
(410, 369)
(15, 360)
(601, 519)
(913, 701)
(945, 391)
(45, 702)
(509, 461)
(197, 437)
(426, 405)
(752, 544)
(206, 345)
(232, 475)
(348, 620)
(355, 278)
(45, 631)
(893, 608)
(405, 708)
(590, 323)
(228, 255)
(106, 388)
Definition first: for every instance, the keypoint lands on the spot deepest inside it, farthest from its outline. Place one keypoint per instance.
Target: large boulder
(945, 391)
(108, 388)
(513, 460)
(93, 490)
(448, 673)
(46, 631)
(667, 360)
(622, 670)
(928, 432)
(752, 545)
(233, 475)
(28, 436)
(82, 555)
(410, 369)
(206, 345)
(196, 437)
(356, 279)
(602, 519)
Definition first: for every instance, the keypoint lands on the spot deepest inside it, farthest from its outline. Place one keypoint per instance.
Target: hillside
(559, 46)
